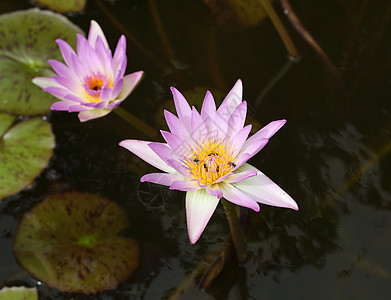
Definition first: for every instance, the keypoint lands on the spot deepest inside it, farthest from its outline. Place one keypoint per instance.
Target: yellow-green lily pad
(69, 241)
(25, 150)
(18, 293)
(27, 42)
(249, 12)
(244, 12)
(63, 6)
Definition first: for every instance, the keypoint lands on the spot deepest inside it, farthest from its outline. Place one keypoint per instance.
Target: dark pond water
(332, 156)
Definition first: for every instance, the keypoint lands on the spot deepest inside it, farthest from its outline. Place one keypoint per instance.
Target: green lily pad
(63, 6)
(27, 42)
(18, 293)
(25, 150)
(5, 122)
(69, 241)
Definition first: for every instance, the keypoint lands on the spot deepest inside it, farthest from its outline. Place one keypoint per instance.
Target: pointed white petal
(93, 34)
(120, 54)
(45, 82)
(200, 206)
(240, 176)
(92, 114)
(252, 144)
(177, 144)
(185, 185)
(231, 101)
(142, 150)
(263, 190)
(237, 119)
(235, 196)
(199, 128)
(182, 108)
(160, 178)
(239, 138)
(214, 190)
(130, 82)
(176, 126)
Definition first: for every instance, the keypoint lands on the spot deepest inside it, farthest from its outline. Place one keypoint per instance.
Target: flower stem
(311, 41)
(160, 28)
(290, 47)
(237, 234)
(136, 122)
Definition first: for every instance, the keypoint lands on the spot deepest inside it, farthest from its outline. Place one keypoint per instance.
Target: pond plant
(206, 156)
(70, 240)
(93, 82)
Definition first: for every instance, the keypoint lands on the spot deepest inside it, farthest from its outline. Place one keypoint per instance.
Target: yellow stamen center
(210, 161)
(93, 85)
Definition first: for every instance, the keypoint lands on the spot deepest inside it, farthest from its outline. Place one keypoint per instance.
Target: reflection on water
(332, 156)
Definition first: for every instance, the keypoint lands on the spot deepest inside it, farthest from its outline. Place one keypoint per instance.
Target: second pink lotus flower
(92, 82)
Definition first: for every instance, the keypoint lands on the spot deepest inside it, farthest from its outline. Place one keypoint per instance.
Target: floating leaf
(5, 122)
(246, 12)
(27, 42)
(69, 241)
(18, 293)
(25, 150)
(63, 6)
(249, 12)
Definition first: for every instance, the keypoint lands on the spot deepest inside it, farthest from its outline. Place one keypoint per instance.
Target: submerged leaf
(63, 6)
(27, 42)
(246, 12)
(25, 150)
(249, 12)
(18, 293)
(69, 241)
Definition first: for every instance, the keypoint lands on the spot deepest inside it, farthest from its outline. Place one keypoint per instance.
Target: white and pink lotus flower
(206, 156)
(92, 82)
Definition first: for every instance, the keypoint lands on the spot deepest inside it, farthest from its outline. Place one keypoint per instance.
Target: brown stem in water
(275, 79)
(237, 234)
(160, 28)
(130, 37)
(207, 269)
(310, 40)
(286, 39)
(213, 54)
(136, 122)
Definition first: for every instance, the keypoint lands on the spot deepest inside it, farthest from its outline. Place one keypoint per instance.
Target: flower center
(210, 161)
(93, 85)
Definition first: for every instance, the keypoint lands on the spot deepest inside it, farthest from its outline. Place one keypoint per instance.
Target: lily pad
(25, 150)
(18, 293)
(27, 42)
(63, 6)
(249, 12)
(69, 241)
(244, 12)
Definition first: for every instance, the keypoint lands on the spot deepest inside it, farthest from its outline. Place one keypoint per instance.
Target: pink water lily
(205, 154)
(92, 82)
